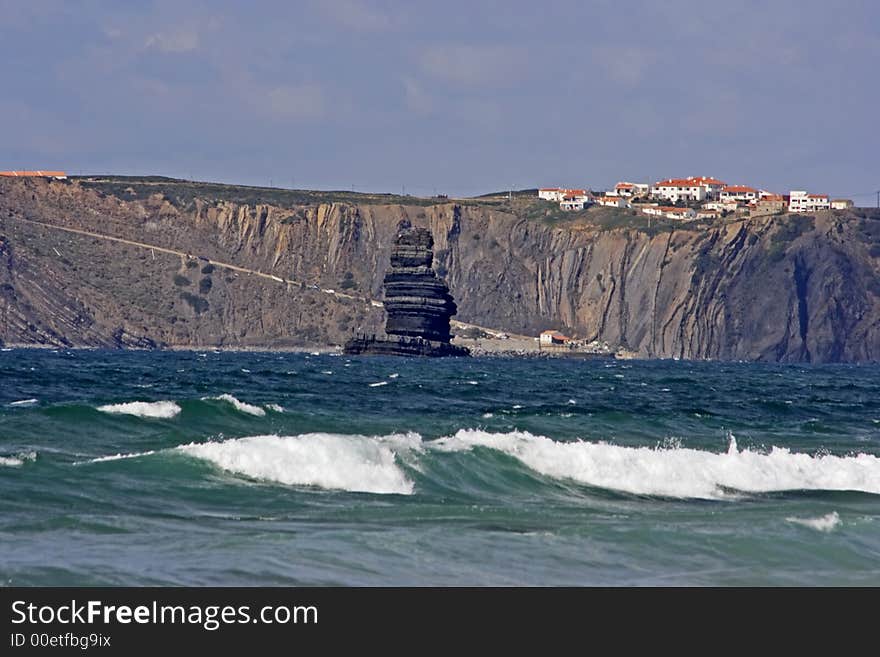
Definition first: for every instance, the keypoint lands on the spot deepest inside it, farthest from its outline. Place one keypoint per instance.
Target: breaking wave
(116, 457)
(240, 405)
(159, 409)
(825, 523)
(373, 464)
(678, 472)
(17, 460)
(333, 461)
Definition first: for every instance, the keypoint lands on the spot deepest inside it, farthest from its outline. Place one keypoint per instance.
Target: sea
(262, 469)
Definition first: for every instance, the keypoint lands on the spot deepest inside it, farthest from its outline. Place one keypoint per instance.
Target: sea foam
(116, 457)
(825, 523)
(158, 409)
(332, 461)
(240, 405)
(24, 402)
(678, 472)
(17, 459)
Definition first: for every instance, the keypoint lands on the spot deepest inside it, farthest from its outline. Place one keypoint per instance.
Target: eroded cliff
(786, 288)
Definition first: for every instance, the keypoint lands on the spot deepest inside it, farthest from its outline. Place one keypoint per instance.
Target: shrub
(181, 281)
(197, 303)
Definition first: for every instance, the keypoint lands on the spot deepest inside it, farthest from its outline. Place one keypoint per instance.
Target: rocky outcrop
(417, 303)
(785, 288)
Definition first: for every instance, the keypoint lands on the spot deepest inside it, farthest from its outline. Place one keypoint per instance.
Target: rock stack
(417, 303)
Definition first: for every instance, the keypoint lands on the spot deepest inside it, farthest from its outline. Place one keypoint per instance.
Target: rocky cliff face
(790, 288)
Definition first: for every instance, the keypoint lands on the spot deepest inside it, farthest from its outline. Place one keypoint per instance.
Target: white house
(708, 214)
(679, 213)
(670, 212)
(801, 201)
(841, 204)
(550, 194)
(576, 202)
(552, 338)
(694, 188)
(613, 201)
(629, 189)
(739, 193)
(721, 206)
(680, 189)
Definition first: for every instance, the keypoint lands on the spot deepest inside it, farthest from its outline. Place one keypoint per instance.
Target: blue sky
(454, 97)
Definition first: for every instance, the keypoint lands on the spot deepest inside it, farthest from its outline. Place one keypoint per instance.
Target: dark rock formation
(417, 303)
(376, 346)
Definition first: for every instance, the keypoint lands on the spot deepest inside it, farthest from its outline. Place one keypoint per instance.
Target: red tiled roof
(739, 189)
(817, 195)
(693, 181)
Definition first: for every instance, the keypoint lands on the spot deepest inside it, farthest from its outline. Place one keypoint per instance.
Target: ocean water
(207, 468)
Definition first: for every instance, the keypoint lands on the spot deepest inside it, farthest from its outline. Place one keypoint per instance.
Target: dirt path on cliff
(223, 265)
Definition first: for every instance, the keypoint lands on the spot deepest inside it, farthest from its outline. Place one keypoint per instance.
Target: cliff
(784, 288)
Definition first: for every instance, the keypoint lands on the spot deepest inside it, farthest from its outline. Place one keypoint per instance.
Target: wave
(333, 461)
(158, 409)
(116, 457)
(18, 459)
(677, 472)
(240, 405)
(373, 464)
(24, 402)
(825, 523)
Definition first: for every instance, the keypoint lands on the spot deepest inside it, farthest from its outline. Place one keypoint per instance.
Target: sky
(451, 97)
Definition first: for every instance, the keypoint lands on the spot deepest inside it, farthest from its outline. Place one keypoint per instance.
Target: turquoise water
(294, 469)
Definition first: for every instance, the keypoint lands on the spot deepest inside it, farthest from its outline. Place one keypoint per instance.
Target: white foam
(677, 472)
(393, 376)
(333, 461)
(18, 459)
(825, 523)
(240, 405)
(378, 383)
(278, 408)
(116, 457)
(24, 402)
(159, 409)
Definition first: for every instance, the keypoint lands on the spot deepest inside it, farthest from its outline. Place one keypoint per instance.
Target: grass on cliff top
(182, 193)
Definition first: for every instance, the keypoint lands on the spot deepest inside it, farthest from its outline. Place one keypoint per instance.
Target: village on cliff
(696, 197)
